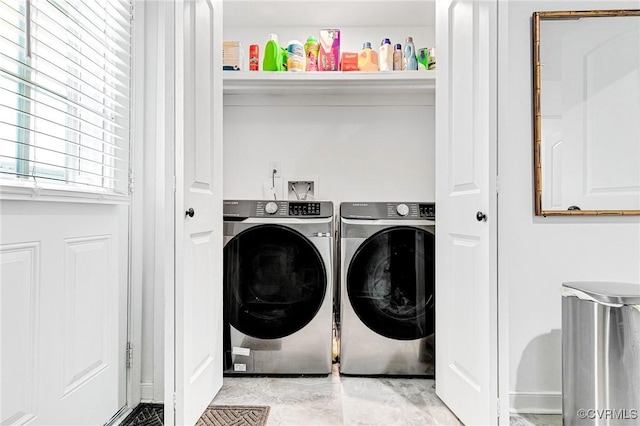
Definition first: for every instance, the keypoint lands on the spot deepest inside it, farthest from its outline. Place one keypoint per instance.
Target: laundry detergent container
(600, 353)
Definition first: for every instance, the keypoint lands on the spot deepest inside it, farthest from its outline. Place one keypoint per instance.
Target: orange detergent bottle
(368, 58)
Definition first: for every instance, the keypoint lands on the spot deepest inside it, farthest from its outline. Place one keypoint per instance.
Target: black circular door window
(274, 281)
(390, 283)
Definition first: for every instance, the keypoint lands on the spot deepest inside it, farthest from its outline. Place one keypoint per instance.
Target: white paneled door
(198, 283)
(466, 268)
(63, 309)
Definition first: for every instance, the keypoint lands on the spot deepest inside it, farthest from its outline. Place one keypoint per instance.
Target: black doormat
(215, 415)
(145, 415)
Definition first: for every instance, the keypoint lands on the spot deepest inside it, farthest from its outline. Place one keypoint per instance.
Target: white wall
(353, 145)
(538, 254)
(357, 150)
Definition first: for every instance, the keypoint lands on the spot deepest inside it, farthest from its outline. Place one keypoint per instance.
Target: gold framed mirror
(586, 105)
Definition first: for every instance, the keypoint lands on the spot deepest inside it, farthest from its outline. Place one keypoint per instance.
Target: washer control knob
(402, 209)
(271, 207)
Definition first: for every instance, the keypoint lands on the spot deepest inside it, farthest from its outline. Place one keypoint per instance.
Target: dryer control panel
(388, 210)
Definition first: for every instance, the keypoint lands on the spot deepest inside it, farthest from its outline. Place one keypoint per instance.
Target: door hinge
(131, 181)
(129, 355)
(498, 407)
(174, 402)
(497, 184)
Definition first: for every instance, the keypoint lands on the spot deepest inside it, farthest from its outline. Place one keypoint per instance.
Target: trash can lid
(608, 292)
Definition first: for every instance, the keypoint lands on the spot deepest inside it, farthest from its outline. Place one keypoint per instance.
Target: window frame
(21, 187)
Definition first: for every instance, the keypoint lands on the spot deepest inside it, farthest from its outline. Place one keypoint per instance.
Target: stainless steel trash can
(600, 353)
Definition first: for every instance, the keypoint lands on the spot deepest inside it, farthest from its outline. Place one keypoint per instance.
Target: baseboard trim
(146, 392)
(535, 402)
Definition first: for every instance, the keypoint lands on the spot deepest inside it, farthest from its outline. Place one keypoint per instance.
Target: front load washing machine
(387, 289)
(278, 287)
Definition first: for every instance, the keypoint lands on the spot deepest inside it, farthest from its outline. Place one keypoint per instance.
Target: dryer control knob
(402, 209)
(271, 207)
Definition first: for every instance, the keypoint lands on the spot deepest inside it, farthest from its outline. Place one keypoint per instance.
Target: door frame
(154, 78)
(504, 406)
(136, 209)
(170, 17)
(165, 226)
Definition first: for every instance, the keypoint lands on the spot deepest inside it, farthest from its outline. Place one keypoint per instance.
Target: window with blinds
(65, 90)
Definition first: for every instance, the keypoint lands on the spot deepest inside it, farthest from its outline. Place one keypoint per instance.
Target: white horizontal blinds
(65, 78)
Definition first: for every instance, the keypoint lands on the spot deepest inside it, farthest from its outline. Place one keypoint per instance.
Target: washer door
(390, 283)
(274, 281)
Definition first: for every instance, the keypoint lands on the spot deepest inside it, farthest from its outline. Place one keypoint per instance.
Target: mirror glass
(587, 112)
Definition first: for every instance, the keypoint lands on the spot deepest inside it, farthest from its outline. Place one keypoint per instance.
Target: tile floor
(536, 420)
(348, 401)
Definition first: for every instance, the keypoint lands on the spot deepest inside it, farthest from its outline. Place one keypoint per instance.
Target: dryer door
(275, 281)
(390, 283)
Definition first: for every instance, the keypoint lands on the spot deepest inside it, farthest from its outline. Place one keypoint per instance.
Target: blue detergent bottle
(410, 62)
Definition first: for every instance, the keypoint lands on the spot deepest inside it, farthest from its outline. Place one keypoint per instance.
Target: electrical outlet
(272, 189)
(274, 165)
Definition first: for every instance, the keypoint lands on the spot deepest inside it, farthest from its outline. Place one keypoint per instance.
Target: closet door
(466, 267)
(198, 274)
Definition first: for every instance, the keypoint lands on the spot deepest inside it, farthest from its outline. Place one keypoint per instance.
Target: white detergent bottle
(386, 55)
(397, 58)
(296, 59)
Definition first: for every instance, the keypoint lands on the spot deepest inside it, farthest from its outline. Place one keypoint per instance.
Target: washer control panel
(427, 210)
(382, 210)
(241, 209)
(304, 209)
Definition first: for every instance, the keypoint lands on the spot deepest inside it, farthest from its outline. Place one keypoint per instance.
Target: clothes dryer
(387, 289)
(278, 287)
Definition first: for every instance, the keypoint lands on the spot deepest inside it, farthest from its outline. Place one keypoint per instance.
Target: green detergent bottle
(423, 57)
(275, 57)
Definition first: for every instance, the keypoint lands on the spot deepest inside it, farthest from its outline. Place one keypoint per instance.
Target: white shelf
(330, 82)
